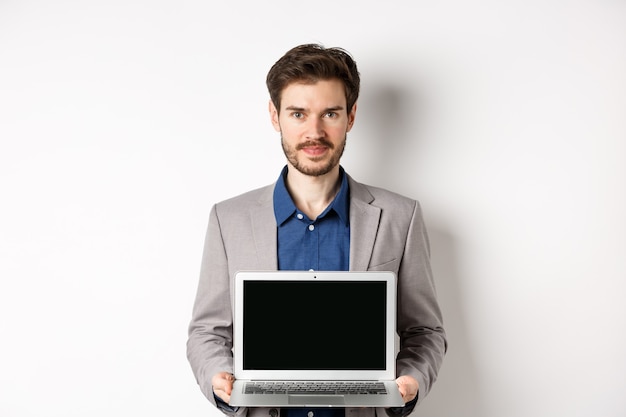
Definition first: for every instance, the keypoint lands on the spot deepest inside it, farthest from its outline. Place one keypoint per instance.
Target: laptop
(315, 339)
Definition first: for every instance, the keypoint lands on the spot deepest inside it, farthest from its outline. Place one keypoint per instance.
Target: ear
(274, 116)
(351, 117)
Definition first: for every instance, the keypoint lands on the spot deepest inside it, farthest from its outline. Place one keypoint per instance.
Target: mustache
(319, 142)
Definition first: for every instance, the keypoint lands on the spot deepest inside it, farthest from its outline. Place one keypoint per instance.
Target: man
(316, 217)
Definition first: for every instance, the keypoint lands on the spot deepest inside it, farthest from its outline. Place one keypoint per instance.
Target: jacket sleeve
(210, 339)
(423, 341)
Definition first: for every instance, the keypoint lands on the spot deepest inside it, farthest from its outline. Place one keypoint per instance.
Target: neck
(312, 195)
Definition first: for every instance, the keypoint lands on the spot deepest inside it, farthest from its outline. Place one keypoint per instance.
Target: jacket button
(273, 412)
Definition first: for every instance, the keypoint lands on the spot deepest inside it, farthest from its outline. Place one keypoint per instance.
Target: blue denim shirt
(321, 244)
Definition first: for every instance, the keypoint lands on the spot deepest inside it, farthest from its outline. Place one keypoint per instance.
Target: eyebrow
(302, 109)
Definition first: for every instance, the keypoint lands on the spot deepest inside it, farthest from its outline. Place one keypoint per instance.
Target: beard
(317, 169)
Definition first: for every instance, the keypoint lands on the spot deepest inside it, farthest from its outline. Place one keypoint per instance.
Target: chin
(315, 170)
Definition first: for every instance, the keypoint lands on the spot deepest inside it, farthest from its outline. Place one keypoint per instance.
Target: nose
(314, 128)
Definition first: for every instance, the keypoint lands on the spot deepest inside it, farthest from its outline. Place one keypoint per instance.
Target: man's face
(313, 122)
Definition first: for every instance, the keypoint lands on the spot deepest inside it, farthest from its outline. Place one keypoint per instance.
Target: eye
(330, 115)
(297, 115)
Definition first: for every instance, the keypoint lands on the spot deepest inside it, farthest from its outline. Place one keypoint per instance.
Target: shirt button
(310, 414)
(311, 228)
(300, 216)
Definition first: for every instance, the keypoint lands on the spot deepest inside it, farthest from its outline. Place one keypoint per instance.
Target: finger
(403, 393)
(222, 379)
(408, 389)
(228, 384)
(222, 395)
(223, 384)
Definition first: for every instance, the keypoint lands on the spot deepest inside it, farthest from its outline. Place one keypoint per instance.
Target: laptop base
(239, 398)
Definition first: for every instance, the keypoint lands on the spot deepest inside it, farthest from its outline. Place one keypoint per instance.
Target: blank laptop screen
(314, 325)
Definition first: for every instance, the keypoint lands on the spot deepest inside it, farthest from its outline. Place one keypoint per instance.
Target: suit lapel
(264, 231)
(364, 220)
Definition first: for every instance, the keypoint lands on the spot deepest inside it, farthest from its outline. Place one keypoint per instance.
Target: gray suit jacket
(387, 234)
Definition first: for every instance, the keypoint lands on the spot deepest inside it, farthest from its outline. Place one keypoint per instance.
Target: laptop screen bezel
(390, 337)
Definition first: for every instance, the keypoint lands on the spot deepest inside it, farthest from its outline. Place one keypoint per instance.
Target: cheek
(290, 129)
(287, 131)
(338, 131)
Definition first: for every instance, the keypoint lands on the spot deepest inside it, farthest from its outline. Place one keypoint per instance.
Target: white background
(122, 122)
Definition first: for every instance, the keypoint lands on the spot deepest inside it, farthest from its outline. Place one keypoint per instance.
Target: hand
(408, 387)
(223, 385)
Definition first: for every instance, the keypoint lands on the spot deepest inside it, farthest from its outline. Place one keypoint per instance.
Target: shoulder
(381, 197)
(244, 202)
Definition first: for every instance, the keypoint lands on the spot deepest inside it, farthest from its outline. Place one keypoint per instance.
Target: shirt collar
(284, 206)
(341, 203)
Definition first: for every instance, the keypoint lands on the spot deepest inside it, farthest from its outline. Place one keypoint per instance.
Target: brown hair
(310, 63)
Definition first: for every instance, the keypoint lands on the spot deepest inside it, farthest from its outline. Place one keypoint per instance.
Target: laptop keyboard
(321, 387)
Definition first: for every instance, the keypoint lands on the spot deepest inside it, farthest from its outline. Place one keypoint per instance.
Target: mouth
(316, 148)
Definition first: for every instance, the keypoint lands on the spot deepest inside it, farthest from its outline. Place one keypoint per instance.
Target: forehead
(323, 93)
